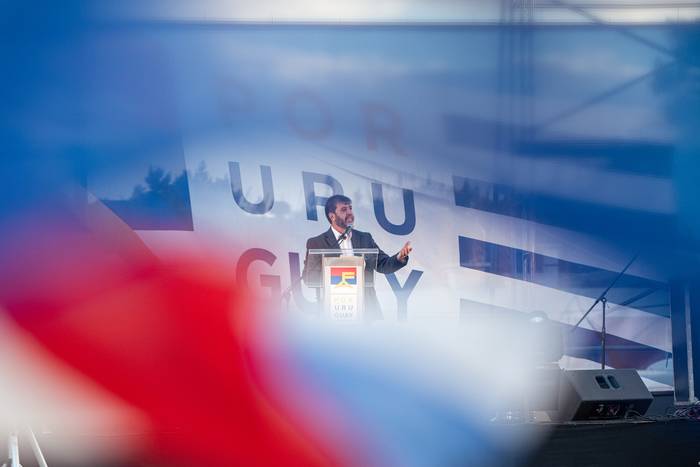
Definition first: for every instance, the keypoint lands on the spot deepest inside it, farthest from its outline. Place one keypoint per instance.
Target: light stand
(604, 300)
(603, 332)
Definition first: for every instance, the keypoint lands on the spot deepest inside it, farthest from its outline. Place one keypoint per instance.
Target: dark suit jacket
(385, 264)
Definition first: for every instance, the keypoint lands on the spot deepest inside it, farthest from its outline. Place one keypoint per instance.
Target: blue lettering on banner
(295, 277)
(266, 280)
(409, 209)
(402, 293)
(268, 199)
(311, 178)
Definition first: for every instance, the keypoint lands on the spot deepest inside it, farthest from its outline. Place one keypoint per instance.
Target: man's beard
(344, 225)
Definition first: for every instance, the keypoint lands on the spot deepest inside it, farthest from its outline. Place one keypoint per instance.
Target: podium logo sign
(343, 277)
(343, 307)
(344, 294)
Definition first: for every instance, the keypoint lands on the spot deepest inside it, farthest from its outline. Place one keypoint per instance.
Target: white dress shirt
(346, 244)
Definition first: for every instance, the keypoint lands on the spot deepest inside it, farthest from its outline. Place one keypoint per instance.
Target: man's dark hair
(334, 201)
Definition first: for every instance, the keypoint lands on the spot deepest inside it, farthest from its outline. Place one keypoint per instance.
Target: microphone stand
(287, 294)
(602, 298)
(344, 235)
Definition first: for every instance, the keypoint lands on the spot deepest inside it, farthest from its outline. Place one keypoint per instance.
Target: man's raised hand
(403, 254)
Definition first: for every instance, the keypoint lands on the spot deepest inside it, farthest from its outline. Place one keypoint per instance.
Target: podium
(340, 278)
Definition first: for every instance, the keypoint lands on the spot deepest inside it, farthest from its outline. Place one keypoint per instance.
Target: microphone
(345, 233)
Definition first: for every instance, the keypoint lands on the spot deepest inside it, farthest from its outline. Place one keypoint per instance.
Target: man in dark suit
(339, 214)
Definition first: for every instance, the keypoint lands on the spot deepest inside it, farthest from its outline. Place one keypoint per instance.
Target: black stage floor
(656, 440)
(618, 444)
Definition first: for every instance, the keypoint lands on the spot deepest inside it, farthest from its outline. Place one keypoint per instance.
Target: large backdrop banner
(527, 165)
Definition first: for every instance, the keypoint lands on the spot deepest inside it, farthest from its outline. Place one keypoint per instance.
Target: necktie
(346, 245)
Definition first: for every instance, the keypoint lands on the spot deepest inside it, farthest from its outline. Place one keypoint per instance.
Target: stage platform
(617, 444)
(656, 440)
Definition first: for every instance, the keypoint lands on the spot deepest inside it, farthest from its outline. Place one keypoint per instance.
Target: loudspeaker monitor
(602, 394)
